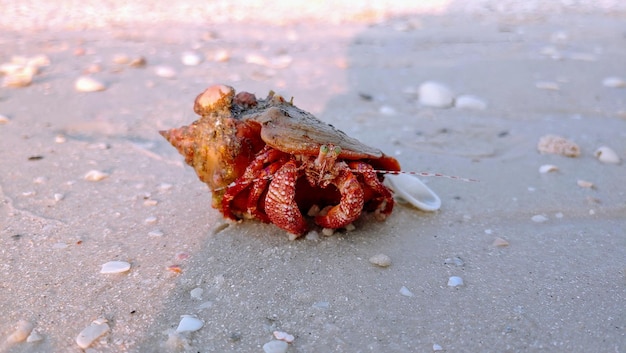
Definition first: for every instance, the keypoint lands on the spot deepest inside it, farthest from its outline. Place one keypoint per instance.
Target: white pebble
(58, 197)
(437, 348)
(283, 336)
(4, 119)
(470, 102)
(88, 84)
(614, 82)
(189, 323)
(22, 330)
(381, 260)
(95, 175)
(328, 231)
(312, 235)
(196, 293)
(115, 267)
(321, 305)
(547, 168)
(548, 85)
(275, 346)
(500, 243)
(406, 292)
(455, 281)
(191, 59)
(585, 184)
(435, 94)
(607, 155)
(165, 72)
(538, 218)
(150, 220)
(91, 333)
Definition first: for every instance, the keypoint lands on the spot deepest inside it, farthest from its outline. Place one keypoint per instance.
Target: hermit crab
(266, 159)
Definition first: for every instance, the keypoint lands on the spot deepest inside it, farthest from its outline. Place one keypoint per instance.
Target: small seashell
(381, 260)
(614, 82)
(312, 235)
(283, 336)
(585, 184)
(607, 155)
(548, 85)
(34, 337)
(139, 61)
(115, 267)
(4, 119)
(155, 233)
(470, 102)
(406, 292)
(189, 323)
(121, 59)
(412, 190)
(22, 330)
(558, 145)
(499, 242)
(387, 110)
(275, 347)
(221, 55)
(150, 220)
(165, 72)
(435, 94)
(88, 84)
(190, 59)
(547, 168)
(20, 78)
(456, 261)
(95, 175)
(539, 218)
(437, 348)
(91, 333)
(455, 281)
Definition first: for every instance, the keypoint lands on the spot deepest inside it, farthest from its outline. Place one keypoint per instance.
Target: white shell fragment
(614, 82)
(189, 323)
(585, 184)
(22, 330)
(88, 84)
(470, 102)
(381, 260)
(4, 119)
(435, 94)
(165, 72)
(406, 292)
(95, 175)
(607, 155)
(539, 218)
(115, 267)
(191, 59)
(412, 190)
(548, 85)
(548, 168)
(91, 333)
(275, 346)
(455, 281)
(283, 336)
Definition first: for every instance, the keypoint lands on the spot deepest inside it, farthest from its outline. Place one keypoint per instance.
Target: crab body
(269, 160)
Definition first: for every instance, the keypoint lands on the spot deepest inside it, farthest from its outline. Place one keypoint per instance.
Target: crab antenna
(422, 174)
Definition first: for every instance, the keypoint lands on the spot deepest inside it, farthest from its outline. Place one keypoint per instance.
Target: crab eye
(324, 149)
(337, 151)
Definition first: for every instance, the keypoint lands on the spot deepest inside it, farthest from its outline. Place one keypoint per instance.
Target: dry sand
(558, 286)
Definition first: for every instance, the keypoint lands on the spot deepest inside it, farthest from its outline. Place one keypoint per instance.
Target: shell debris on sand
(585, 184)
(95, 175)
(189, 323)
(21, 333)
(88, 84)
(115, 267)
(4, 119)
(92, 332)
(435, 94)
(406, 292)
(283, 336)
(275, 346)
(455, 281)
(554, 144)
(165, 72)
(470, 102)
(614, 82)
(548, 168)
(607, 155)
(500, 243)
(380, 260)
(190, 59)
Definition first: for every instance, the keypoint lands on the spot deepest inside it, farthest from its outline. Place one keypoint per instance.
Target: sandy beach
(539, 241)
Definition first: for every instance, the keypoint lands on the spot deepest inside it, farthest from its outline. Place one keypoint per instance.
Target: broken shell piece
(558, 145)
(115, 267)
(547, 168)
(283, 336)
(585, 184)
(412, 190)
(189, 323)
(88, 84)
(607, 155)
(91, 333)
(95, 175)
